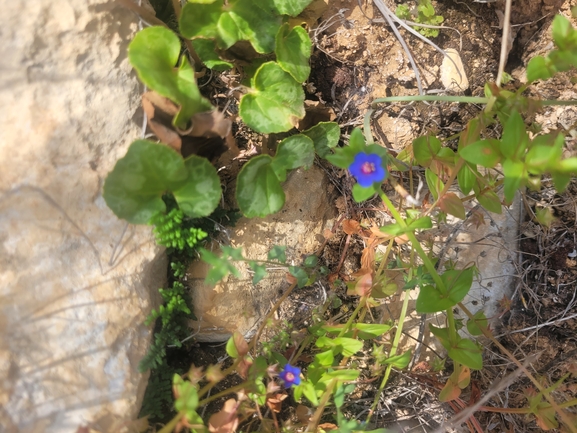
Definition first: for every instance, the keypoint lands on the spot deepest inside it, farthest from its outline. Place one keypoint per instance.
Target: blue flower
(367, 168)
(290, 375)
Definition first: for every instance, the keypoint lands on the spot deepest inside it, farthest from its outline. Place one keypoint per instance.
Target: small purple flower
(367, 168)
(290, 375)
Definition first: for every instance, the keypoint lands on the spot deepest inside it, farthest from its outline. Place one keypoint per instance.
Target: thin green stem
(347, 326)
(223, 393)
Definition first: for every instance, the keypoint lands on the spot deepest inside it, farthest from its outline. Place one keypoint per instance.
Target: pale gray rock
(75, 282)
(235, 304)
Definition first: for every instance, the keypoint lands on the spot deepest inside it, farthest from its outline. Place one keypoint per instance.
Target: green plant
(423, 13)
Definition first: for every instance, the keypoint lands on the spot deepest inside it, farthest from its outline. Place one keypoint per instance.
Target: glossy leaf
(293, 51)
(201, 193)
(258, 190)
(154, 53)
(275, 101)
(200, 19)
(134, 188)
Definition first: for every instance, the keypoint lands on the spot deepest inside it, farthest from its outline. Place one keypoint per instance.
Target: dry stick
(504, 42)
(544, 392)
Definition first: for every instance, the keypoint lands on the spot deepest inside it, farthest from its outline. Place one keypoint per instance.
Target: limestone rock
(75, 281)
(238, 305)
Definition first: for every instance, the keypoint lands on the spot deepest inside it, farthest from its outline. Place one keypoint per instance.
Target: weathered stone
(75, 282)
(238, 305)
(453, 75)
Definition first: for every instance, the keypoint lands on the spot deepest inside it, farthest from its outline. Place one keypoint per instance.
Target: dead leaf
(449, 392)
(363, 286)
(275, 402)
(243, 366)
(450, 203)
(160, 111)
(368, 255)
(327, 426)
(225, 421)
(477, 219)
(303, 414)
(351, 227)
(328, 234)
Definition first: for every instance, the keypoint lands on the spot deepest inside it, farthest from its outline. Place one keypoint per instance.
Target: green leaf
(278, 253)
(293, 51)
(361, 194)
(478, 322)
(187, 400)
(325, 358)
(201, 193)
(457, 284)
(515, 177)
(545, 153)
(490, 201)
(293, 152)
(200, 19)
(357, 141)
(258, 190)
(134, 188)
(300, 274)
(369, 331)
(344, 345)
(231, 348)
(154, 53)
(249, 20)
(308, 389)
(343, 375)
(206, 50)
(515, 138)
(467, 353)
(450, 203)
(420, 223)
(399, 361)
(290, 7)
(482, 152)
(325, 136)
(311, 261)
(564, 36)
(434, 183)
(220, 267)
(259, 270)
(540, 68)
(275, 102)
(425, 148)
(442, 335)
(466, 178)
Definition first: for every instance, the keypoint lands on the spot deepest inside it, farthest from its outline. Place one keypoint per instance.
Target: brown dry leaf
(327, 426)
(225, 421)
(303, 414)
(368, 255)
(243, 366)
(290, 279)
(275, 402)
(363, 286)
(477, 219)
(351, 227)
(328, 234)
(160, 111)
(341, 204)
(449, 392)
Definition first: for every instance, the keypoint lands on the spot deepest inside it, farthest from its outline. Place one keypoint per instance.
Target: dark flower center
(368, 168)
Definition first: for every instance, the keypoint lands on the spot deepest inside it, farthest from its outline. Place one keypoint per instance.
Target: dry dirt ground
(357, 59)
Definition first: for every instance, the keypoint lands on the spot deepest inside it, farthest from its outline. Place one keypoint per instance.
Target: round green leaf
(293, 51)
(200, 18)
(255, 22)
(293, 152)
(258, 190)
(201, 193)
(290, 7)
(276, 100)
(133, 189)
(154, 53)
(325, 136)
(206, 50)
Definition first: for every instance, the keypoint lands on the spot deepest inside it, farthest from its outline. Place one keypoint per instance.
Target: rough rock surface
(236, 304)
(75, 282)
